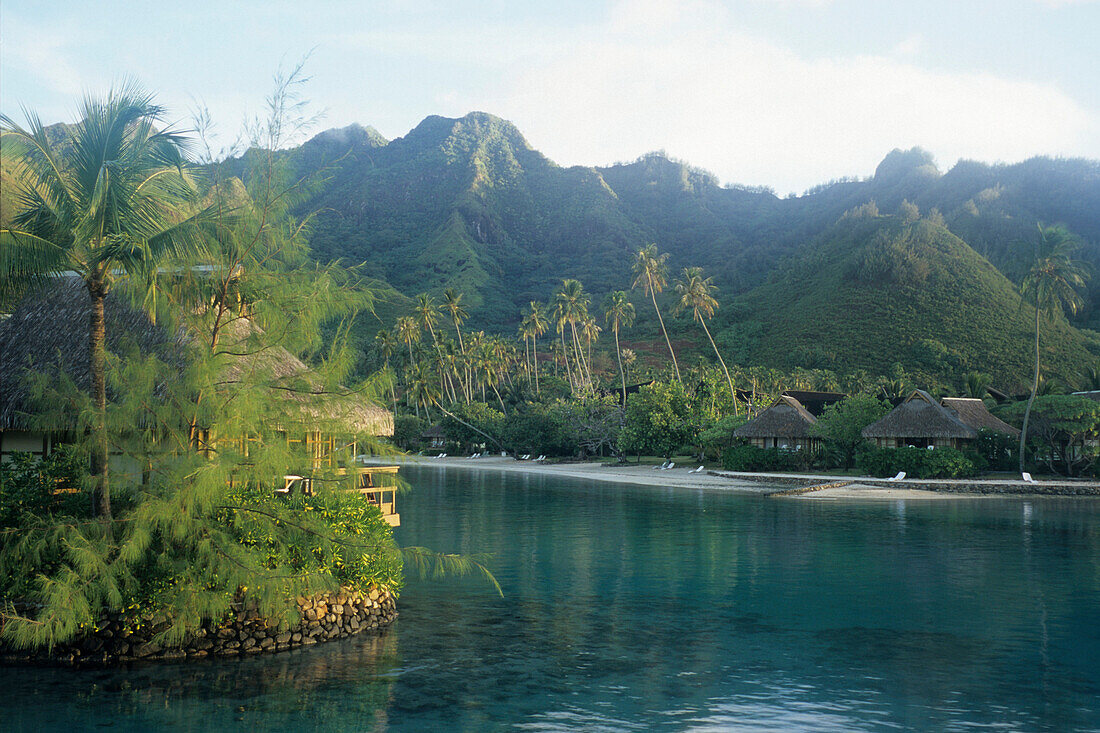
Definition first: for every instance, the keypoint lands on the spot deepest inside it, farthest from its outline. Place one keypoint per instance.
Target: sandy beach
(679, 477)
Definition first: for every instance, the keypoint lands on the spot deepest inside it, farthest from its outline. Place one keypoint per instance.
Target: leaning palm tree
(104, 204)
(696, 293)
(619, 314)
(650, 274)
(1050, 285)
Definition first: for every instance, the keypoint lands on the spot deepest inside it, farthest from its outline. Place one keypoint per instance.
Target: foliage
(658, 420)
(29, 485)
(719, 436)
(754, 459)
(916, 462)
(841, 424)
(407, 430)
(1061, 425)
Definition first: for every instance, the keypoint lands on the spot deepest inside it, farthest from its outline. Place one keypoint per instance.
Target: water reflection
(629, 609)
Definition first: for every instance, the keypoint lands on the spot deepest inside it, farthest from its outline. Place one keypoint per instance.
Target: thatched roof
(973, 412)
(49, 331)
(815, 402)
(920, 416)
(786, 418)
(435, 431)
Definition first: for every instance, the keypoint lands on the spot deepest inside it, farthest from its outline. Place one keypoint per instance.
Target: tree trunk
(733, 395)
(1034, 389)
(653, 295)
(619, 355)
(535, 360)
(97, 337)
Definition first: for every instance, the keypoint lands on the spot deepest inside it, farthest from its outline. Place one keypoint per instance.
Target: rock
(248, 643)
(146, 649)
(283, 638)
(267, 642)
(307, 640)
(296, 636)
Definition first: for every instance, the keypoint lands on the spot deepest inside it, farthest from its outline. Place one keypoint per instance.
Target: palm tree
(976, 384)
(539, 325)
(650, 274)
(696, 293)
(619, 313)
(452, 303)
(590, 332)
(572, 304)
(387, 342)
(408, 333)
(104, 203)
(1050, 285)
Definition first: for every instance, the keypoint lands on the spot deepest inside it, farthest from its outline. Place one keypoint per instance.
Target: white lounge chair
(899, 477)
(697, 470)
(1027, 478)
(541, 458)
(669, 466)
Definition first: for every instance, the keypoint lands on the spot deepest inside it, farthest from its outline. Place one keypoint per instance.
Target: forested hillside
(467, 203)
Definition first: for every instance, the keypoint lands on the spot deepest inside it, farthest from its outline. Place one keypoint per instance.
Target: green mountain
(873, 291)
(468, 203)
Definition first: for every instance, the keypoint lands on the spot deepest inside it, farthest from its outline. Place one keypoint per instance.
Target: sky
(779, 93)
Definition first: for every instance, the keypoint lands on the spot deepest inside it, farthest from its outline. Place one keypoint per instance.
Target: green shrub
(29, 485)
(916, 462)
(751, 458)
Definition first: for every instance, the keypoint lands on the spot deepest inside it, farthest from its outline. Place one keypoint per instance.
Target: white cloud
(684, 78)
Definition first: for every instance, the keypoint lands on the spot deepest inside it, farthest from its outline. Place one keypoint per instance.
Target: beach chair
(697, 470)
(899, 477)
(1027, 478)
(541, 458)
(668, 466)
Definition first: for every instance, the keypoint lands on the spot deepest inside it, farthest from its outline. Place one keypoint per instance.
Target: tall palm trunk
(733, 395)
(583, 374)
(98, 463)
(535, 362)
(1031, 398)
(464, 379)
(653, 295)
(619, 355)
(565, 354)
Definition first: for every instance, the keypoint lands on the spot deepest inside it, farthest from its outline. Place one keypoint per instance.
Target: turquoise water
(629, 608)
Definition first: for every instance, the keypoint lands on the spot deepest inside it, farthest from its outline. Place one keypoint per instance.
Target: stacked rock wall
(324, 616)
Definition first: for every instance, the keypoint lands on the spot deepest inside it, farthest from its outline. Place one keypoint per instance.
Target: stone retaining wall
(324, 616)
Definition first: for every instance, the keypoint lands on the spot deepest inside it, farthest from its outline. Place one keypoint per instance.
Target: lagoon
(634, 608)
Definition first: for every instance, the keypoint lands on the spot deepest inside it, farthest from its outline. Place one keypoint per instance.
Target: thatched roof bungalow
(48, 332)
(786, 424)
(921, 421)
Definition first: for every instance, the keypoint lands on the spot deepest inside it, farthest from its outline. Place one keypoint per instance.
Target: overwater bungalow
(922, 421)
(786, 424)
(48, 331)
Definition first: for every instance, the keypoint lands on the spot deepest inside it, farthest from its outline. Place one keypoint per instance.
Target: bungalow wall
(785, 443)
(959, 443)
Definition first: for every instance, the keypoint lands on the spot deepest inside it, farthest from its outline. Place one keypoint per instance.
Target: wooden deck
(377, 484)
(372, 483)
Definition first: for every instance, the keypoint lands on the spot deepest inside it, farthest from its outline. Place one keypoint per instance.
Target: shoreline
(794, 486)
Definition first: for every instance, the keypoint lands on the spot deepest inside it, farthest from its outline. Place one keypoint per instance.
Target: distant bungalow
(788, 423)
(921, 422)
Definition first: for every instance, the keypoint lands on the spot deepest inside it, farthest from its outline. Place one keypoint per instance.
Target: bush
(32, 486)
(916, 462)
(407, 430)
(751, 458)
